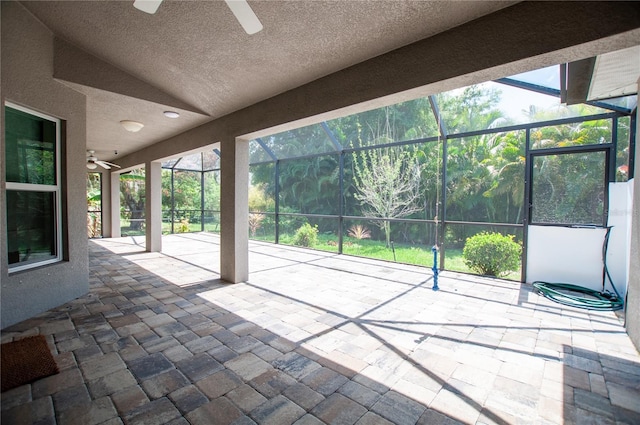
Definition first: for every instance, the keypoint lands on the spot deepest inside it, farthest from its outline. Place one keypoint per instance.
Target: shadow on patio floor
(317, 338)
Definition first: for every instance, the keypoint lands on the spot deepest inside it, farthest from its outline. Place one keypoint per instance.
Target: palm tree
(507, 174)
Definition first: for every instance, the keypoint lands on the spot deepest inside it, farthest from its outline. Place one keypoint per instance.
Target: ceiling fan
(93, 162)
(240, 8)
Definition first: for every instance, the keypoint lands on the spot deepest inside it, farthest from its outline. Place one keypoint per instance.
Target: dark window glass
(31, 226)
(30, 148)
(32, 189)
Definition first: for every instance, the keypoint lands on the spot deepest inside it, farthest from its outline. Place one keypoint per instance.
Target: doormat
(25, 361)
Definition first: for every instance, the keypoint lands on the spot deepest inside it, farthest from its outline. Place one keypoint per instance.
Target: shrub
(491, 254)
(359, 232)
(255, 221)
(183, 226)
(306, 235)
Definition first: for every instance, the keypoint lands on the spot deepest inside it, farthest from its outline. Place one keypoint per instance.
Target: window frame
(41, 188)
(607, 148)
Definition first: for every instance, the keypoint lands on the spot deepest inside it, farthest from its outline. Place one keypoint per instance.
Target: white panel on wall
(618, 254)
(565, 255)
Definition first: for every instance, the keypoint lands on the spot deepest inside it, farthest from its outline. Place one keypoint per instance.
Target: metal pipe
(435, 287)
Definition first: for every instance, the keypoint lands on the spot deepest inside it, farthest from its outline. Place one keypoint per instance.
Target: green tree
(186, 189)
(132, 197)
(477, 186)
(258, 199)
(94, 205)
(262, 178)
(474, 108)
(388, 184)
(569, 188)
(310, 185)
(622, 154)
(485, 173)
(507, 171)
(212, 191)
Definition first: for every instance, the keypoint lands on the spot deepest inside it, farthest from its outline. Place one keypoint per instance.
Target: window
(32, 149)
(570, 188)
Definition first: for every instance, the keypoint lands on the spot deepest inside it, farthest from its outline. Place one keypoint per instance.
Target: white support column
(114, 207)
(153, 206)
(234, 211)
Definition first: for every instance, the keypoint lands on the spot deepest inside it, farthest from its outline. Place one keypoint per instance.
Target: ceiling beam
(81, 69)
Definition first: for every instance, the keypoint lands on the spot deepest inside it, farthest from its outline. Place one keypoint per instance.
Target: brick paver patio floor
(317, 338)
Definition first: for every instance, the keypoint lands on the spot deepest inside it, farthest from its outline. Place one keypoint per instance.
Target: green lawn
(406, 254)
(192, 227)
(125, 228)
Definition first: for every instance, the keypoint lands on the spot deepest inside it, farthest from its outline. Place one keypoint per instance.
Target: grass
(404, 253)
(455, 262)
(192, 227)
(125, 228)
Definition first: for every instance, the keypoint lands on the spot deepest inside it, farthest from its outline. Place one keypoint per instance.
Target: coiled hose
(581, 297)
(595, 300)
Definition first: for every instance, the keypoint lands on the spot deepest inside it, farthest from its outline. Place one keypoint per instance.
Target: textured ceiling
(199, 58)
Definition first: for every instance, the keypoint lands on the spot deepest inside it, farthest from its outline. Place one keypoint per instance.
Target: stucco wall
(633, 295)
(516, 39)
(27, 69)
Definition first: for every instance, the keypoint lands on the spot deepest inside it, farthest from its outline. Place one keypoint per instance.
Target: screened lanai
(505, 156)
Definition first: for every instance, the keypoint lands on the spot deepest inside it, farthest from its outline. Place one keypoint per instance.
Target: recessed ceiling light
(171, 114)
(132, 126)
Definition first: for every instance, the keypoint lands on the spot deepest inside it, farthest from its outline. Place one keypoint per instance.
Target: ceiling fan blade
(148, 6)
(102, 164)
(245, 15)
(107, 165)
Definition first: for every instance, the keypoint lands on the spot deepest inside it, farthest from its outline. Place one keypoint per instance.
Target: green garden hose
(594, 300)
(581, 297)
